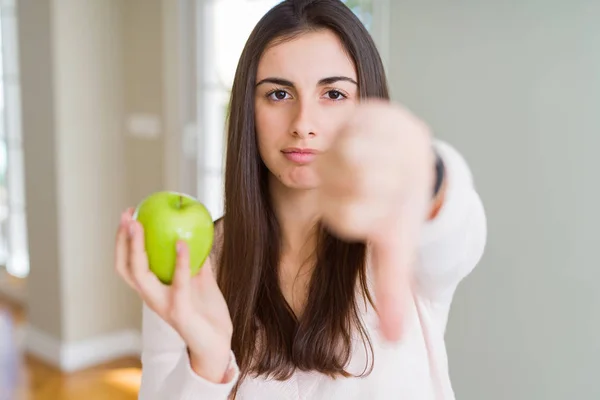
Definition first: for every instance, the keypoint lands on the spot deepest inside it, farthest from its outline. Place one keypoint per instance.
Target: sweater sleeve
(452, 243)
(166, 369)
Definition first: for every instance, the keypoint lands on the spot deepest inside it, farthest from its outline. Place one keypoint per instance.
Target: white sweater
(416, 368)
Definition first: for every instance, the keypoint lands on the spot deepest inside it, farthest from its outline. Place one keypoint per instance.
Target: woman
(347, 229)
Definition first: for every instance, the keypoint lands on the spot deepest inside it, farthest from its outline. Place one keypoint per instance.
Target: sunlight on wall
(231, 30)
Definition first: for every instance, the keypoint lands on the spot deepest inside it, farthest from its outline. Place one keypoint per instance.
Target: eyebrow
(325, 81)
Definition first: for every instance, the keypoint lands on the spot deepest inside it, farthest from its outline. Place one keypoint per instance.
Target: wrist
(439, 174)
(439, 187)
(216, 370)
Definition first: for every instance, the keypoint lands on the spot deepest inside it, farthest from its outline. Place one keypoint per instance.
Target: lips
(300, 155)
(299, 150)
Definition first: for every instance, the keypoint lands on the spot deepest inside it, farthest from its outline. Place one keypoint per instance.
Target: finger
(182, 278)
(181, 300)
(341, 184)
(205, 281)
(392, 292)
(392, 307)
(122, 251)
(394, 255)
(151, 289)
(130, 211)
(347, 218)
(127, 215)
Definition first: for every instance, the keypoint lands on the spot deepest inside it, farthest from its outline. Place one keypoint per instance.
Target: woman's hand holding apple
(192, 305)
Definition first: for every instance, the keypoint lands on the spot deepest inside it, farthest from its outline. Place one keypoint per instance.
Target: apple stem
(180, 201)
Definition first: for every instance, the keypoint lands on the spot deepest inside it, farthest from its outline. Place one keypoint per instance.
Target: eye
(277, 95)
(335, 95)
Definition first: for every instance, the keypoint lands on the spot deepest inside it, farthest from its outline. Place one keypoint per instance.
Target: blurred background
(105, 101)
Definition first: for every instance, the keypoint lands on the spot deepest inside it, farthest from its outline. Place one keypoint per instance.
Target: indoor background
(105, 101)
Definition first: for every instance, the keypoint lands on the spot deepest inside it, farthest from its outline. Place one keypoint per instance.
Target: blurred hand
(193, 306)
(376, 185)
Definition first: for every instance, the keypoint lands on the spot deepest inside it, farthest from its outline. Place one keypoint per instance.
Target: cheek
(271, 125)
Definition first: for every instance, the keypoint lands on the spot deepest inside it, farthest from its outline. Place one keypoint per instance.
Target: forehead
(306, 58)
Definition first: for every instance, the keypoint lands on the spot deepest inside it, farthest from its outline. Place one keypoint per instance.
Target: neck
(297, 213)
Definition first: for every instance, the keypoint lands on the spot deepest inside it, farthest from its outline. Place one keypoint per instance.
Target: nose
(304, 122)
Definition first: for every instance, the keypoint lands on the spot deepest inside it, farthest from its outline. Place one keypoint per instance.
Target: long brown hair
(321, 339)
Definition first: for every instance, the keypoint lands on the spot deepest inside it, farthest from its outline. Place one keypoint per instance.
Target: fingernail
(131, 229)
(179, 247)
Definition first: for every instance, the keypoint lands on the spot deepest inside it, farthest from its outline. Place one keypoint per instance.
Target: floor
(24, 378)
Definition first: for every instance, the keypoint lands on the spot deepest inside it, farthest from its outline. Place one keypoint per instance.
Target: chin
(301, 185)
(297, 179)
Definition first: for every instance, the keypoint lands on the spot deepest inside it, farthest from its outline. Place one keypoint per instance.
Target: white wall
(81, 169)
(88, 83)
(86, 66)
(516, 87)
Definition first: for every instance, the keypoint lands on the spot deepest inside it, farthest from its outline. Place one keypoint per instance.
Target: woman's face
(306, 89)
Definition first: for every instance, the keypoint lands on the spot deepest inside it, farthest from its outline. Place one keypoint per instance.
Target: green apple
(167, 217)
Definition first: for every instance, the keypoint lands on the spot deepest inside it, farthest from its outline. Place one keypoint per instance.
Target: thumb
(394, 255)
(392, 284)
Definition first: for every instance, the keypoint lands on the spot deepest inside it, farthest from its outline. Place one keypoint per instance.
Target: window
(221, 35)
(13, 229)
(363, 9)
